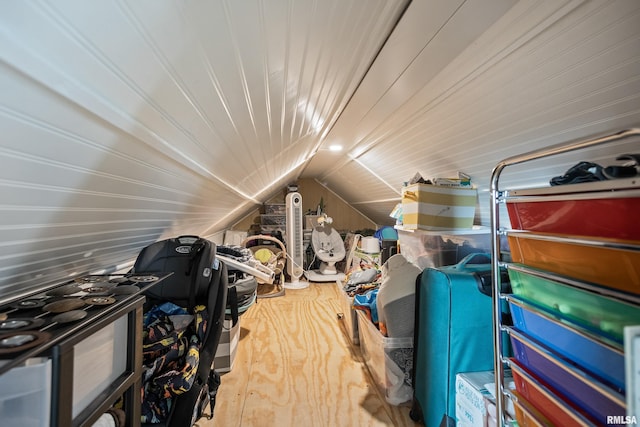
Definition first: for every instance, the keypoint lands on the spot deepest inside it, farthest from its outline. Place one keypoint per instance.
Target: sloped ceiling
(128, 121)
(461, 85)
(124, 122)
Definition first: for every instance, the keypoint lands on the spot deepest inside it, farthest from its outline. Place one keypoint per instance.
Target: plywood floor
(296, 366)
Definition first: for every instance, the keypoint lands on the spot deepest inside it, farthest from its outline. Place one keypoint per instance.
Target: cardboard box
(228, 347)
(433, 207)
(475, 402)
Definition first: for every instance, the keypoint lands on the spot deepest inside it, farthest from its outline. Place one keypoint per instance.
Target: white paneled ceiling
(491, 79)
(237, 91)
(127, 121)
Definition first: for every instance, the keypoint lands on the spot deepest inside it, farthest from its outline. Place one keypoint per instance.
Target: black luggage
(453, 334)
(199, 284)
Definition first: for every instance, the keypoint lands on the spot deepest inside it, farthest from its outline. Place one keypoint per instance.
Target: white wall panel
(379, 210)
(372, 197)
(354, 181)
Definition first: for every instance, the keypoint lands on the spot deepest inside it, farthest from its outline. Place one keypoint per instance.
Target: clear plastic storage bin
(280, 220)
(444, 247)
(275, 209)
(25, 395)
(389, 360)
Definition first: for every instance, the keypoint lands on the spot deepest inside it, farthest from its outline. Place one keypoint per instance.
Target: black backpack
(197, 279)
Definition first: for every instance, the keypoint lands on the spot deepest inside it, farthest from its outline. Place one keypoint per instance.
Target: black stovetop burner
(34, 323)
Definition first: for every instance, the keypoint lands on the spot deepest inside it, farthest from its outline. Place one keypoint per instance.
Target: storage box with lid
(279, 220)
(275, 209)
(475, 401)
(443, 247)
(389, 360)
(435, 207)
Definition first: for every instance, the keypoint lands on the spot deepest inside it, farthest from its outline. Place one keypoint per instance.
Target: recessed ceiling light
(335, 147)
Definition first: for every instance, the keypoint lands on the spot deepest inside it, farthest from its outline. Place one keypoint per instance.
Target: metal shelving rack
(498, 198)
(74, 367)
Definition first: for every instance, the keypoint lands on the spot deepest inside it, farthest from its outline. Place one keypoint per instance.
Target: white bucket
(370, 245)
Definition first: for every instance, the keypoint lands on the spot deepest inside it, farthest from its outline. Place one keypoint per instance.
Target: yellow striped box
(433, 207)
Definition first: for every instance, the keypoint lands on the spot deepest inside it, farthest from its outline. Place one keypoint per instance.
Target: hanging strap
(194, 256)
(196, 249)
(232, 302)
(213, 385)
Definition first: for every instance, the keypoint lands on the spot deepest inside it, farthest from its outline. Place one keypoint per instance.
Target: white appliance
(295, 249)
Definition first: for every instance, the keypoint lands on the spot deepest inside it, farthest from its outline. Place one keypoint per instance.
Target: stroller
(183, 323)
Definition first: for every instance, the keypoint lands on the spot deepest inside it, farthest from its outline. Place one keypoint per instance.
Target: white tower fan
(295, 249)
